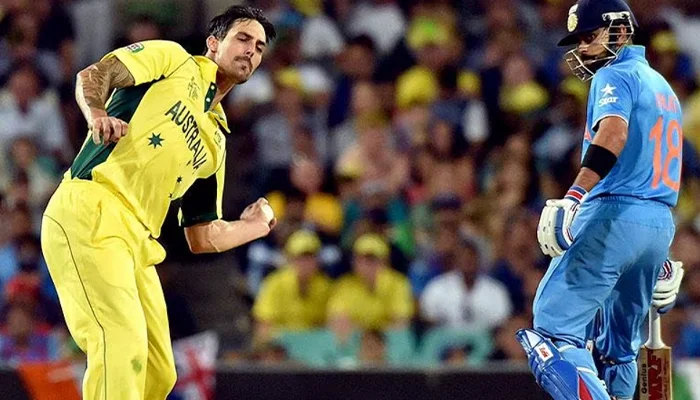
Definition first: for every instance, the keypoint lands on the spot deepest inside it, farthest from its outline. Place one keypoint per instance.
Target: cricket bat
(655, 371)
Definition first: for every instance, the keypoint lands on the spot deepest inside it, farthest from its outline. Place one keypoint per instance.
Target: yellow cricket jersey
(174, 148)
(281, 303)
(390, 300)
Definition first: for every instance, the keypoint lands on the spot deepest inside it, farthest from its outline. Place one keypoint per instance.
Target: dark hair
(220, 25)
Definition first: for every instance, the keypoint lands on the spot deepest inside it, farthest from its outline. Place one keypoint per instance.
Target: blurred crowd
(405, 147)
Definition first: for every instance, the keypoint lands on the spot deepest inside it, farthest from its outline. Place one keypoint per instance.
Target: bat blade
(655, 372)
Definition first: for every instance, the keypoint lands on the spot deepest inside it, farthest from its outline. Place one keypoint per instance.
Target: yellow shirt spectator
(374, 296)
(282, 304)
(295, 297)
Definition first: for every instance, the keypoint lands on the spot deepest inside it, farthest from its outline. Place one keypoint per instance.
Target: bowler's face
(239, 54)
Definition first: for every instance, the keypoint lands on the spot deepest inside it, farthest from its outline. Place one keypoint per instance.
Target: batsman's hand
(254, 213)
(105, 129)
(667, 286)
(554, 229)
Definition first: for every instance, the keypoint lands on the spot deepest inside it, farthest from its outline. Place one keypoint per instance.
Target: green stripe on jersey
(124, 103)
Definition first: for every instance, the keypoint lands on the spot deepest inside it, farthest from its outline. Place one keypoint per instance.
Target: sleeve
(402, 302)
(265, 308)
(612, 94)
(203, 200)
(151, 60)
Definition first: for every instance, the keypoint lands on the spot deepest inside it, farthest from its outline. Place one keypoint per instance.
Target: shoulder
(394, 276)
(281, 276)
(616, 74)
(166, 45)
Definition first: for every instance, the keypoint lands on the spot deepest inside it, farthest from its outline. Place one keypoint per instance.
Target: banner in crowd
(52, 380)
(195, 360)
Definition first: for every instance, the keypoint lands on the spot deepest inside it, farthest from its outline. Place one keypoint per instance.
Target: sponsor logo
(135, 48)
(606, 100)
(543, 352)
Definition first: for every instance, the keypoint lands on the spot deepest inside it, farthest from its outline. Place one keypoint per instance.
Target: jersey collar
(632, 52)
(208, 69)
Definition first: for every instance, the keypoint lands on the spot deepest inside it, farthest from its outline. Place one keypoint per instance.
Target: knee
(621, 379)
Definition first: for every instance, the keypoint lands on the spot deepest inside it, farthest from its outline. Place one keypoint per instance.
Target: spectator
(519, 258)
(20, 45)
(356, 63)
(24, 339)
(142, 28)
(293, 298)
(41, 172)
(376, 156)
(464, 297)
(372, 296)
(28, 110)
(382, 20)
(443, 235)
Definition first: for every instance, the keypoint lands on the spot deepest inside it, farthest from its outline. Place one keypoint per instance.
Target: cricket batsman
(157, 136)
(610, 235)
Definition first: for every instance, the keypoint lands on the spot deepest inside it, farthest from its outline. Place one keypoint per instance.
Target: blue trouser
(619, 246)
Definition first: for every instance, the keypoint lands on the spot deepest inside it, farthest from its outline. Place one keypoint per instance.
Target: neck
(224, 85)
(468, 280)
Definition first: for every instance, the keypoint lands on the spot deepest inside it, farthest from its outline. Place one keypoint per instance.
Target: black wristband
(599, 159)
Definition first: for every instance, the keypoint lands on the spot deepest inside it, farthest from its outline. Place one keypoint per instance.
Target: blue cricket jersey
(649, 166)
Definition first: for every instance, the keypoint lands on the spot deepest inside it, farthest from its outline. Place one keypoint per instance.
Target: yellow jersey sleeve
(266, 308)
(203, 200)
(151, 60)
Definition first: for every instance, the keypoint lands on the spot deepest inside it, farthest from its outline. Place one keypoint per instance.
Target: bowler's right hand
(106, 129)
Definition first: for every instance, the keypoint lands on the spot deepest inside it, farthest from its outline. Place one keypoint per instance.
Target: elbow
(197, 242)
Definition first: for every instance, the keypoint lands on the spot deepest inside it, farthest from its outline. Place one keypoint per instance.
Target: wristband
(599, 159)
(576, 193)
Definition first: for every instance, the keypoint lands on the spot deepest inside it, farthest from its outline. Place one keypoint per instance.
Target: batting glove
(554, 229)
(667, 286)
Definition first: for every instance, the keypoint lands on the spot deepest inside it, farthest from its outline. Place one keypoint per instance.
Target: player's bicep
(612, 134)
(109, 72)
(613, 94)
(150, 60)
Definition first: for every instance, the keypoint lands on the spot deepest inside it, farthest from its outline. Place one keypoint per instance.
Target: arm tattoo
(95, 83)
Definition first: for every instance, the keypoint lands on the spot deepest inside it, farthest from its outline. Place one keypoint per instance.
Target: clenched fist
(255, 212)
(106, 129)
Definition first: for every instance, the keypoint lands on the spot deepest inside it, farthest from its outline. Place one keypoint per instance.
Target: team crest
(572, 22)
(135, 48)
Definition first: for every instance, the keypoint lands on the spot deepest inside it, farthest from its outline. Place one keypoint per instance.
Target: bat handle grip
(655, 341)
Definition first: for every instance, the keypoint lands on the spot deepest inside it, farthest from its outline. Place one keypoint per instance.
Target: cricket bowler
(610, 235)
(156, 136)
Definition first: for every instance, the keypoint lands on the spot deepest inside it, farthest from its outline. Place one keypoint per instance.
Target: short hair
(222, 23)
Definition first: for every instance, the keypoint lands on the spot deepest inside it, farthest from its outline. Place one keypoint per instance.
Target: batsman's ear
(212, 44)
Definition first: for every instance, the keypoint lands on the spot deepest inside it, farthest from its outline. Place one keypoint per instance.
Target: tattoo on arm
(95, 83)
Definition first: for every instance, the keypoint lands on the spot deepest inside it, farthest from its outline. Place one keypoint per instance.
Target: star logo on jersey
(155, 140)
(608, 90)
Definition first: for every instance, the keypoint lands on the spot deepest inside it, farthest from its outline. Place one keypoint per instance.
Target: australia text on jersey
(184, 118)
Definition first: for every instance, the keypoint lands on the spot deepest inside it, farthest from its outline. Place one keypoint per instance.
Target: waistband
(617, 199)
